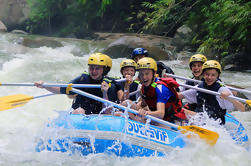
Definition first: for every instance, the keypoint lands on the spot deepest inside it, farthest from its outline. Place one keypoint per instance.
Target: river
(21, 127)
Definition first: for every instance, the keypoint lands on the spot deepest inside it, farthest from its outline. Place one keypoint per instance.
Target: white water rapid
(21, 127)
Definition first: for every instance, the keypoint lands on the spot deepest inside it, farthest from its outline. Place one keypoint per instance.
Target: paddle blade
(12, 101)
(210, 137)
(6, 106)
(248, 102)
(15, 98)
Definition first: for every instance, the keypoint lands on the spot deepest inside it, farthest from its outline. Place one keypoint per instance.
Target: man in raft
(99, 66)
(214, 106)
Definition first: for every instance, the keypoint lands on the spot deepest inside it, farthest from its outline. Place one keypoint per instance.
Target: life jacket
(173, 108)
(113, 89)
(89, 105)
(209, 102)
(133, 87)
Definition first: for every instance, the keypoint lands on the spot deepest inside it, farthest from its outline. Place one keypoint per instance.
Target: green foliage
(91, 15)
(227, 22)
(220, 25)
(168, 14)
(159, 16)
(51, 14)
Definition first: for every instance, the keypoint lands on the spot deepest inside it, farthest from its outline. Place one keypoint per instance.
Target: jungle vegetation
(220, 25)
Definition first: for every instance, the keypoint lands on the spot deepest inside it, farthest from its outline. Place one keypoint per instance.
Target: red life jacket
(173, 108)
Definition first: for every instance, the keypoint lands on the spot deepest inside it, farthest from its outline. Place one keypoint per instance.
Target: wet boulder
(183, 38)
(36, 43)
(122, 45)
(2, 27)
(16, 31)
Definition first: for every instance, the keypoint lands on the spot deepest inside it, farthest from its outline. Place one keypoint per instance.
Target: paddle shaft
(198, 81)
(50, 94)
(211, 92)
(58, 85)
(54, 85)
(123, 107)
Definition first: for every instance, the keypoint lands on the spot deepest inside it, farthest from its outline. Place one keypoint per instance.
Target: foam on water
(22, 127)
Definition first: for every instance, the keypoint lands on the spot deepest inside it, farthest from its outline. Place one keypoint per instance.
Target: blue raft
(236, 130)
(120, 136)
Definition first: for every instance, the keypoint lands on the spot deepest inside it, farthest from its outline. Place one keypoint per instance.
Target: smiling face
(196, 68)
(210, 76)
(146, 76)
(96, 71)
(128, 71)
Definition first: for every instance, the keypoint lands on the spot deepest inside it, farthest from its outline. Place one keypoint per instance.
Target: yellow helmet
(147, 63)
(128, 63)
(212, 64)
(109, 61)
(197, 58)
(100, 59)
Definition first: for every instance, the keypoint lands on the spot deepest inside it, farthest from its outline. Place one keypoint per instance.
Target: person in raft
(139, 53)
(214, 106)
(99, 66)
(158, 95)
(128, 70)
(195, 63)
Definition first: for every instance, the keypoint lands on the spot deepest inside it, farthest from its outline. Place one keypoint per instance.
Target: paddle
(216, 93)
(58, 85)
(198, 81)
(18, 100)
(54, 85)
(210, 137)
(13, 101)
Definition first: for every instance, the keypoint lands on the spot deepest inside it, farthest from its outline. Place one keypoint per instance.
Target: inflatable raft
(120, 136)
(236, 130)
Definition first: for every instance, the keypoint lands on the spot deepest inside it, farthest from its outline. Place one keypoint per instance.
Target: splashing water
(22, 127)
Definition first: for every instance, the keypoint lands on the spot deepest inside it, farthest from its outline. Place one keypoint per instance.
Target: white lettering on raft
(151, 133)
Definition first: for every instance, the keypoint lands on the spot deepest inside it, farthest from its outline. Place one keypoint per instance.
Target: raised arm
(55, 90)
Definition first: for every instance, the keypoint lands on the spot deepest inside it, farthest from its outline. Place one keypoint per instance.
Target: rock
(184, 29)
(16, 31)
(13, 12)
(2, 27)
(231, 62)
(230, 67)
(36, 43)
(122, 45)
(119, 51)
(183, 37)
